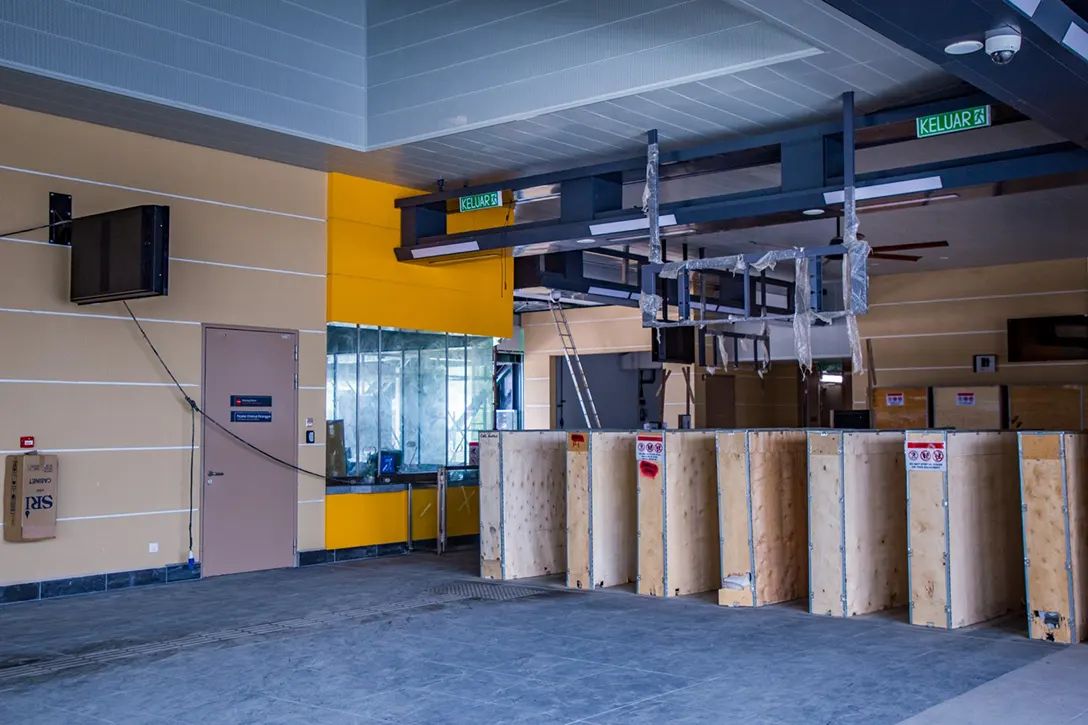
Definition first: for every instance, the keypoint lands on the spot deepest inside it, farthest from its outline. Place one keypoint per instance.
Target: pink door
(249, 507)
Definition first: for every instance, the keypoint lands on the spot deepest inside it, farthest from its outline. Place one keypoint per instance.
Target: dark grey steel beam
(1057, 160)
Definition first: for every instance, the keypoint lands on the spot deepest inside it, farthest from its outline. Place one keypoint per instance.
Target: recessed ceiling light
(813, 212)
(943, 257)
(963, 47)
(587, 241)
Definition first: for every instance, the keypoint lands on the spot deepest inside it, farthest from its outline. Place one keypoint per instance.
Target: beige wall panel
(965, 315)
(86, 151)
(198, 230)
(936, 351)
(537, 366)
(311, 458)
(99, 545)
(595, 330)
(311, 404)
(125, 482)
(537, 392)
(311, 526)
(93, 416)
(312, 360)
(37, 277)
(980, 281)
(63, 347)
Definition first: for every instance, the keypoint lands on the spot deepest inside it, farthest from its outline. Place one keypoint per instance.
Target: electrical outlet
(153, 547)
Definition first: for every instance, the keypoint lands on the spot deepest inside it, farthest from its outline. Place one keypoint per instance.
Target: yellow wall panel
(424, 514)
(364, 519)
(367, 285)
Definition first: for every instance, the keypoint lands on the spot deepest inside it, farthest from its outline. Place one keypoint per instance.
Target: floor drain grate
(479, 590)
(440, 595)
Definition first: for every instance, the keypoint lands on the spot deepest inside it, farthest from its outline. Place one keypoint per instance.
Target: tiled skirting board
(97, 583)
(32, 591)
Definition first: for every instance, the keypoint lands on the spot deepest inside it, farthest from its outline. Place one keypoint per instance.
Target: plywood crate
(963, 524)
(602, 509)
(969, 408)
(1054, 495)
(678, 515)
(522, 503)
(1046, 407)
(762, 504)
(857, 526)
(900, 408)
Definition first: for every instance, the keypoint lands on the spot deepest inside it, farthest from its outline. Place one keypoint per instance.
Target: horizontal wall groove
(123, 318)
(101, 450)
(164, 194)
(980, 297)
(14, 381)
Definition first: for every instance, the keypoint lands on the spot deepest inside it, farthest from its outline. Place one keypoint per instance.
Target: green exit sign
(953, 121)
(488, 200)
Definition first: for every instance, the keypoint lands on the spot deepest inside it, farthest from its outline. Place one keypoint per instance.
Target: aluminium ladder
(574, 365)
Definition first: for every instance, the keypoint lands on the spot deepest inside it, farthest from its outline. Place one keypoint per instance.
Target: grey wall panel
(277, 64)
(651, 49)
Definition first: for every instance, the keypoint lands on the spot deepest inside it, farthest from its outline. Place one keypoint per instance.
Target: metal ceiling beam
(1062, 164)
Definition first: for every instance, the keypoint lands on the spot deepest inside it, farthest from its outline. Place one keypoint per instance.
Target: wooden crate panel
(875, 512)
(966, 563)
(614, 502)
(1046, 407)
(579, 549)
(691, 508)
(913, 413)
(762, 481)
(825, 523)
(1055, 520)
(602, 518)
(857, 522)
(969, 408)
(651, 527)
(522, 504)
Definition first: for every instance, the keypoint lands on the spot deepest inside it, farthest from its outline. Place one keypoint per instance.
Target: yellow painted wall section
(368, 286)
(366, 519)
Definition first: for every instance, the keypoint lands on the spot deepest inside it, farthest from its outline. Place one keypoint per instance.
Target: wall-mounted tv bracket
(60, 210)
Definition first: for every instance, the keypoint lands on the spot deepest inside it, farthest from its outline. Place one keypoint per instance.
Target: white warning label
(650, 448)
(926, 456)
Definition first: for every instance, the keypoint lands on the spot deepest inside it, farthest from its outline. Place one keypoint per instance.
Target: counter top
(389, 487)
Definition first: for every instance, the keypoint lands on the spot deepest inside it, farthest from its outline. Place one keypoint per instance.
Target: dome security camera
(1002, 46)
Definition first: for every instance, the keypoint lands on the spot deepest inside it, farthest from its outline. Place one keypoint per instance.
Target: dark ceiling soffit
(1062, 161)
(746, 143)
(1046, 80)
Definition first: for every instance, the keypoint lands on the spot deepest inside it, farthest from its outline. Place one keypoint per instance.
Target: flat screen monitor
(120, 255)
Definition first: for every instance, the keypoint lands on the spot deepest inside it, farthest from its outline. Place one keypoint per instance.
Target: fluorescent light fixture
(908, 202)
(1076, 40)
(606, 292)
(964, 47)
(587, 241)
(813, 212)
(830, 377)
(630, 225)
(1027, 7)
(445, 249)
(893, 188)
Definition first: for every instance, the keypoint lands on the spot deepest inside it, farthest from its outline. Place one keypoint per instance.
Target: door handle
(215, 473)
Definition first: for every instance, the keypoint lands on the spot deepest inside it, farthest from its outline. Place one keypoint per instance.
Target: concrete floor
(417, 639)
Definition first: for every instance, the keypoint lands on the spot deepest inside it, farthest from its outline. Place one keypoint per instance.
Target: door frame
(204, 328)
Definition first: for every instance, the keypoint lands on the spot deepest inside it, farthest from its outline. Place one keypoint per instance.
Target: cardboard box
(30, 497)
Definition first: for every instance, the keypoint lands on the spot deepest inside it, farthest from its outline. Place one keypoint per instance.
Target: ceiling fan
(885, 251)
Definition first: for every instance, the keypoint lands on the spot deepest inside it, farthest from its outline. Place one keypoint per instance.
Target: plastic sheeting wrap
(734, 263)
(855, 280)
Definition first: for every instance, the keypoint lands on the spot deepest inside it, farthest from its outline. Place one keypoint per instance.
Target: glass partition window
(410, 401)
